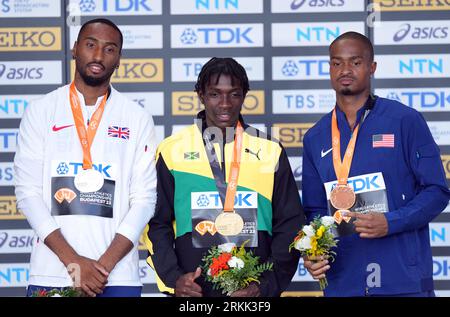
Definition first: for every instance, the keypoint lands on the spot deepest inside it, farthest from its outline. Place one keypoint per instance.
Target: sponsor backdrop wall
(281, 43)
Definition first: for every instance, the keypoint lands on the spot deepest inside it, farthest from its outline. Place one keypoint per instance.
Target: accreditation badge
(212, 226)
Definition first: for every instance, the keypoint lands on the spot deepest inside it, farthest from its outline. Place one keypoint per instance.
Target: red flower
(220, 263)
(42, 293)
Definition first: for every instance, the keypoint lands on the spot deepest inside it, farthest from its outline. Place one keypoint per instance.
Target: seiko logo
(420, 32)
(291, 134)
(26, 39)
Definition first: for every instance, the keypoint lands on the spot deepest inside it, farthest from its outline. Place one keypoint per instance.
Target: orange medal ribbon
(342, 168)
(86, 137)
(234, 170)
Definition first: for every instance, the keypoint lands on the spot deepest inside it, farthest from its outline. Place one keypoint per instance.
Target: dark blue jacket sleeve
(313, 191)
(432, 193)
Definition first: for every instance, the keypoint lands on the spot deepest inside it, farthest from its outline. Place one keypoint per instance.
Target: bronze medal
(229, 223)
(342, 197)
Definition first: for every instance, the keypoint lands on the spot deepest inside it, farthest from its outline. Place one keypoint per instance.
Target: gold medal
(342, 197)
(229, 223)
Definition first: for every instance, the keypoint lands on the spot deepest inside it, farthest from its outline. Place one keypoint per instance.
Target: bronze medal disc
(229, 223)
(342, 197)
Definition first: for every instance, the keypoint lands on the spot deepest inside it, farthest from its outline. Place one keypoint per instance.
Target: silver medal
(88, 181)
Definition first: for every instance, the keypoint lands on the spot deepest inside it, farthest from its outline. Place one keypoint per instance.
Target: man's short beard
(346, 91)
(94, 82)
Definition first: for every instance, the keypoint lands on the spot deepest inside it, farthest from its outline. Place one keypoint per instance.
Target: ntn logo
(13, 105)
(318, 33)
(421, 65)
(216, 4)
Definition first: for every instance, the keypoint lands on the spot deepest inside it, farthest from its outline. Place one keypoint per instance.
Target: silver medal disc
(88, 181)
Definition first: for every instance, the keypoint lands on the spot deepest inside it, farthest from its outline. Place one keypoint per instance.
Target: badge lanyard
(227, 193)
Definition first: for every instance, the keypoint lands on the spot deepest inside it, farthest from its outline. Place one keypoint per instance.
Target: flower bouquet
(56, 292)
(230, 268)
(317, 239)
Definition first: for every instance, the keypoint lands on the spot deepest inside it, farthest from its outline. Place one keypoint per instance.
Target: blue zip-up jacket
(416, 192)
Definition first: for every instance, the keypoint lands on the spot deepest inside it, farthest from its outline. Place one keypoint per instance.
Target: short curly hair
(218, 66)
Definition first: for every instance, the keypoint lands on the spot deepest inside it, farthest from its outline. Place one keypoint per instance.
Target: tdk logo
(441, 268)
(421, 66)
(8, 140)
(217, 35)
(420, 33)
(188, 36)
(73, 168)
(290, 69)
(300, 68)
(211, 200)
(13, 73)
(223, 35)
(88, 6)
(362, 183)
(422, 99)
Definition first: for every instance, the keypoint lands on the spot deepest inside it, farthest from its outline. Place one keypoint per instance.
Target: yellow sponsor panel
(30, 39)
(135, 70)
(446, 163)
(411, 5)
(8, 209)
(290, 134)
(187, 103)
(142, 243)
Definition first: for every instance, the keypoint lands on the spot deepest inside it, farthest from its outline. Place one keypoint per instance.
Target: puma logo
(253, 153)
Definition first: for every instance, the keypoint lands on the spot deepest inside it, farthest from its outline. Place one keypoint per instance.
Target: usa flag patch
(383, 140)
(119, 132)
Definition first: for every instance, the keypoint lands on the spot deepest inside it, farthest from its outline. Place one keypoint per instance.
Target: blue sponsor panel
(441, 268)
(413, 66)
(8, 140)
(412, 32)
(216, 35)
(439, 234)
(6, 174)
(14, 274)
(303, 101)
(28, 8)
(300, 67)
(116, 7)
(311, 34)
(183, 7)
(13, 106)
(16, 241)
(302, 6)
(423, 99)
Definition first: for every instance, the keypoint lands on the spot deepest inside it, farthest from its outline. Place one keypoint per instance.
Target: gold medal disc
(229, 223)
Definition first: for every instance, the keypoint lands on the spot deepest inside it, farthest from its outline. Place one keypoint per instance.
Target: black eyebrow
(96, 40)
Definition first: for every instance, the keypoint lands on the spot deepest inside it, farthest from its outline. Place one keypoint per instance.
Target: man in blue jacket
(372, 163)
